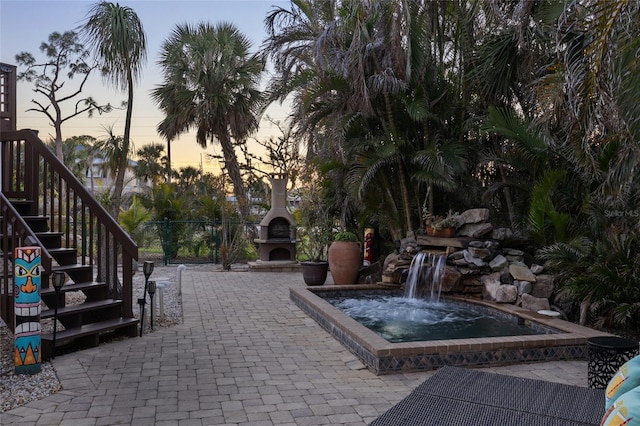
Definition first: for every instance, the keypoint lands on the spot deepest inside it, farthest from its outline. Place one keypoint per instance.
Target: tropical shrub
(599, 280)
(133, 219)
(345, 236)
(168, 205)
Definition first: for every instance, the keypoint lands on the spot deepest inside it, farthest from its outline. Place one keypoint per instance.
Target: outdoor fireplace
(278, 229)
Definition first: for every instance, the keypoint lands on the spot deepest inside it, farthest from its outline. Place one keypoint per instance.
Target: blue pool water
(401, 319)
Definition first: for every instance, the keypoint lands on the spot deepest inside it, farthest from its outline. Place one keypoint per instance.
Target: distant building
(293, 201)
(99, 179)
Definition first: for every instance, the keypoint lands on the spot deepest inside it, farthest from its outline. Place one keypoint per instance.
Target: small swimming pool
(561, 339)
(401, 319)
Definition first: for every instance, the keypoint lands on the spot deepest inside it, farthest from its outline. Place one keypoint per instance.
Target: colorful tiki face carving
(368, 246)
(27, 309)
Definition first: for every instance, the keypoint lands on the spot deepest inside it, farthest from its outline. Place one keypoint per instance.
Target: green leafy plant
(132, 220)
(448, 221)
(313, 242)
(345, 236)
(599, 278)
(170, 208)
(546, 223)
(314, 222)
(232, 248)
(313, 233)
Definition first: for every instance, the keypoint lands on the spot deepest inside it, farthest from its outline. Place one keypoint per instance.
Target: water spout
(425, 277)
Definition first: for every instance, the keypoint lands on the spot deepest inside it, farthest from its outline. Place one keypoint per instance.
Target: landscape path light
(152, 292)
(58, 282)
(147, 270)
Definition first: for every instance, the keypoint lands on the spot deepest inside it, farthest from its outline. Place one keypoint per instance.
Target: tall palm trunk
(507, 197)
(115, 287)
(396, 231)
(233, 168)
(124, 157)
(406, 199)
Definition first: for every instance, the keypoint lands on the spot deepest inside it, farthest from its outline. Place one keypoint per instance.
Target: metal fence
(188, 241)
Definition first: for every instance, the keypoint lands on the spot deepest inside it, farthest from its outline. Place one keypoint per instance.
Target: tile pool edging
(383, 357)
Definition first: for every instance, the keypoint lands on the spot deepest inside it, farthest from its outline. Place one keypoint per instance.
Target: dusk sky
(25, 24)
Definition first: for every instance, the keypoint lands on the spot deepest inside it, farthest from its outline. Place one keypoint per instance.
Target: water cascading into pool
(420, 315)
(424, 280)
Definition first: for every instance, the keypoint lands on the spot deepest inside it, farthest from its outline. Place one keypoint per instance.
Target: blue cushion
(627, 378)
(625, 410)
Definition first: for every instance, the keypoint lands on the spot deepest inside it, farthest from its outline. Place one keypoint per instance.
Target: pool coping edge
(382, 356)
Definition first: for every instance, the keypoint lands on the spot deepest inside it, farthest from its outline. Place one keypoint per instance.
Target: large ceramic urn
(345, 260)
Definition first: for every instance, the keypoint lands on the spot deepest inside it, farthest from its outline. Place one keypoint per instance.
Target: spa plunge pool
(557, 339)
(400, 319)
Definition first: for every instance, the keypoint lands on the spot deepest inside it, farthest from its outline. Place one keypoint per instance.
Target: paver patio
(245, 354)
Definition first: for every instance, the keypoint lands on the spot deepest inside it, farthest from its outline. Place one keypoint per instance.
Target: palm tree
(374, 80)
(514, 53)
(599, 65)
(152, 164)
(111, 149)
(293, 46)
(116, 36)
(188, 178)
(211, 83)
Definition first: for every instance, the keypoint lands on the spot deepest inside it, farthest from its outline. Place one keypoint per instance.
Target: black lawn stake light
(58, 282)
(147, 269)
(152, 292)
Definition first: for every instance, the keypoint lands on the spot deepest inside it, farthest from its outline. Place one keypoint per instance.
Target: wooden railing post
(8, 98)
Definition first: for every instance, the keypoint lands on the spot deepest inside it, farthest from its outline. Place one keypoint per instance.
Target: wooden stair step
(93, 328)
(50, 239)
(64, 256)
(37, 223)
(10, 244)
(70, 286)
(22, 206)
(83, 307)
(76, 267)
(87, 335)
(76, 272)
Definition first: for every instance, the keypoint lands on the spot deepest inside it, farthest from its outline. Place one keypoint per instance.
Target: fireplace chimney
(278, 229)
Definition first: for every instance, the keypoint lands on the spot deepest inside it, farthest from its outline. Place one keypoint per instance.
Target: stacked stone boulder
(486, 268)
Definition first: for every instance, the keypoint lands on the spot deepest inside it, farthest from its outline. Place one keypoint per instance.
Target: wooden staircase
(43, 204)
(83, 324)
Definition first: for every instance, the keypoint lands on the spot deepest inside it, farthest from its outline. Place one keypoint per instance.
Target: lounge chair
(466, 397)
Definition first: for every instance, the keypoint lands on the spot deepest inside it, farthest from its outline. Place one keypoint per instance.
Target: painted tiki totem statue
(27, 310)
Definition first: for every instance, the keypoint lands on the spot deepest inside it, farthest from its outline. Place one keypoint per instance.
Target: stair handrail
(31, 137)
(23, 230)
(26, 236)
